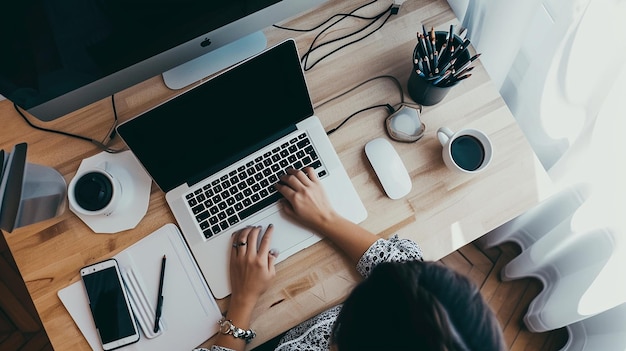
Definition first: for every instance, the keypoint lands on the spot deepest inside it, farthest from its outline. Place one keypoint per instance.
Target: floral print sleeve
(392, 250)
(216, 348)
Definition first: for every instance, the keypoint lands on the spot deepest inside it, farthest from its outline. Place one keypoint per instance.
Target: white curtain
(560, 65)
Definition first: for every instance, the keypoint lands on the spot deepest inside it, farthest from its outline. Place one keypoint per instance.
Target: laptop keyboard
(240, 193)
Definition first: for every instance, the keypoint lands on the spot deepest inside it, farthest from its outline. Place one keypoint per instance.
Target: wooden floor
(509, 300)
(21, 330)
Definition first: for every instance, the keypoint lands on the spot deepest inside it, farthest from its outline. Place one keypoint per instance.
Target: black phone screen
(108, 306)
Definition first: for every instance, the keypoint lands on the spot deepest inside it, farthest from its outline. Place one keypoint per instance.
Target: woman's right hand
(306, 199)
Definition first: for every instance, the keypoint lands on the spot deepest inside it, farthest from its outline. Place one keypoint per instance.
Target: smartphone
(109, 304)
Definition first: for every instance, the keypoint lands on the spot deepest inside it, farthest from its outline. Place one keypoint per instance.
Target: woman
(403, 303)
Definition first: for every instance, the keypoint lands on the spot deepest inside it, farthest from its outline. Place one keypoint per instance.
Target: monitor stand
(215, 61)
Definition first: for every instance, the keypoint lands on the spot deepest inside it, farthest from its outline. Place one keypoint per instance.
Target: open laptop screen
(222, 120)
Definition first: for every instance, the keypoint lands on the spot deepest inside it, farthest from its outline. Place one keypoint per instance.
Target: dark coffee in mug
(93, 191)
(467, 152)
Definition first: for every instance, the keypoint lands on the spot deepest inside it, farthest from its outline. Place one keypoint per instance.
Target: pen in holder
(440, 61)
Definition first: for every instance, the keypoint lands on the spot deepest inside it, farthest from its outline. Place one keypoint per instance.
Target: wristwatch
(227, 327)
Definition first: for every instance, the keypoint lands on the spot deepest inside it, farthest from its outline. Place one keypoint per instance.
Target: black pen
(417, 52)
(447, 44)
(442, 77)
(466, 43)
(420, 66)
(463, 77)
(427, 69)
(159, 306)
(460, 49)
(467, 64)
(463, 33)
(448, 65)
(460, 72)
(453, 80)
(427, 43)
(424, 46)
(451, 37)
(443, 49)
(433, 39)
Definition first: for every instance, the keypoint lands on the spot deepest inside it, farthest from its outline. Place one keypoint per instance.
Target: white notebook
(190, 313)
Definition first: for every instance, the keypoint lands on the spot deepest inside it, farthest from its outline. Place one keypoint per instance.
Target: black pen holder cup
(421, 89)
(424, 92)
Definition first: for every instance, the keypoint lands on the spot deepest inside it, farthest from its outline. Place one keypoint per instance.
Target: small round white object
(405, 125)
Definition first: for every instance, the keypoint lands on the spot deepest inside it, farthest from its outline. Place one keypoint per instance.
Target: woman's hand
(251, 270)
(307, 203)
(306, 199)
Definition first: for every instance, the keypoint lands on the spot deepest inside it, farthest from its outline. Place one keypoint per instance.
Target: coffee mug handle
(104, 165)
(444, 134)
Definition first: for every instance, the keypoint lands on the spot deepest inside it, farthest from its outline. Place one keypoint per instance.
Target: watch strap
(227, 327)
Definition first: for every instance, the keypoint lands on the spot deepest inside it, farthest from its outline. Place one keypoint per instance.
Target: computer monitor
(61, 55)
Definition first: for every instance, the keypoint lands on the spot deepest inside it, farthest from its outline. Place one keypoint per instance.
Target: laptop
(218, 149)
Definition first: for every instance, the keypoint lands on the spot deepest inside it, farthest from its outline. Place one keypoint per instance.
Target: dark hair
(416, 305)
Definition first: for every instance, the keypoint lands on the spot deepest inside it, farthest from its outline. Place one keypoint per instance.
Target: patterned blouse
(314, 334)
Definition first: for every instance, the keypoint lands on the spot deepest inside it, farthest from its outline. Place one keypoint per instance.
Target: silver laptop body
(217, 150)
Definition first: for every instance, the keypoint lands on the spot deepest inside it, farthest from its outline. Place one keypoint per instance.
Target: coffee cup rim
(482, 137)
(115, 197)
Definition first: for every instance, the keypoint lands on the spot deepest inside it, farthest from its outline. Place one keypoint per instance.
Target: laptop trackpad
(288, 237)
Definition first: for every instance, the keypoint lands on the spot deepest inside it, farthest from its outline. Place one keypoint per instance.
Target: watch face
(226, 327)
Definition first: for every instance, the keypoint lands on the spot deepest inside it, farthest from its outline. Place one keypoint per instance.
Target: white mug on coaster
(466, 151)
(95, 191)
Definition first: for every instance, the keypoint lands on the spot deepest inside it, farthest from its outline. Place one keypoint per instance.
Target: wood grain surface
(443, 212)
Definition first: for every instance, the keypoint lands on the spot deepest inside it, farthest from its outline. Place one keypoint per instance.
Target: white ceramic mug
(466, 151)
(94, 191)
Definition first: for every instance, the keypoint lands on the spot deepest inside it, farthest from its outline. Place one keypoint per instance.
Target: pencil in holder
(437, 68)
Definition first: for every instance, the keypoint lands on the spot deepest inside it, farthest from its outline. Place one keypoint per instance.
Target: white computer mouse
(389, 168)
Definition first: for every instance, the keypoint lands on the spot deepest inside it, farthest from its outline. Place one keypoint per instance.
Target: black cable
(374, 19)
(394, 79)
(388, 106)
(112, 132)
(343, 15)
(312, 47)
(101, 145)
(356, 113)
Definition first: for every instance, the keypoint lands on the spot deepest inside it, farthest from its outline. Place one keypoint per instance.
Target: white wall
(459, 7)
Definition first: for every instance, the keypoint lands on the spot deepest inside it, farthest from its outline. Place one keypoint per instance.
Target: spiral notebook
(190, 313)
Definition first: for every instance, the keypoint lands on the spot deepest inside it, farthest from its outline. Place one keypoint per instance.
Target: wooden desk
(443, 212)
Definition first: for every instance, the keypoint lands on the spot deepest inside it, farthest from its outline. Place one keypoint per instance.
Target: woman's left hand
(251, 270)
